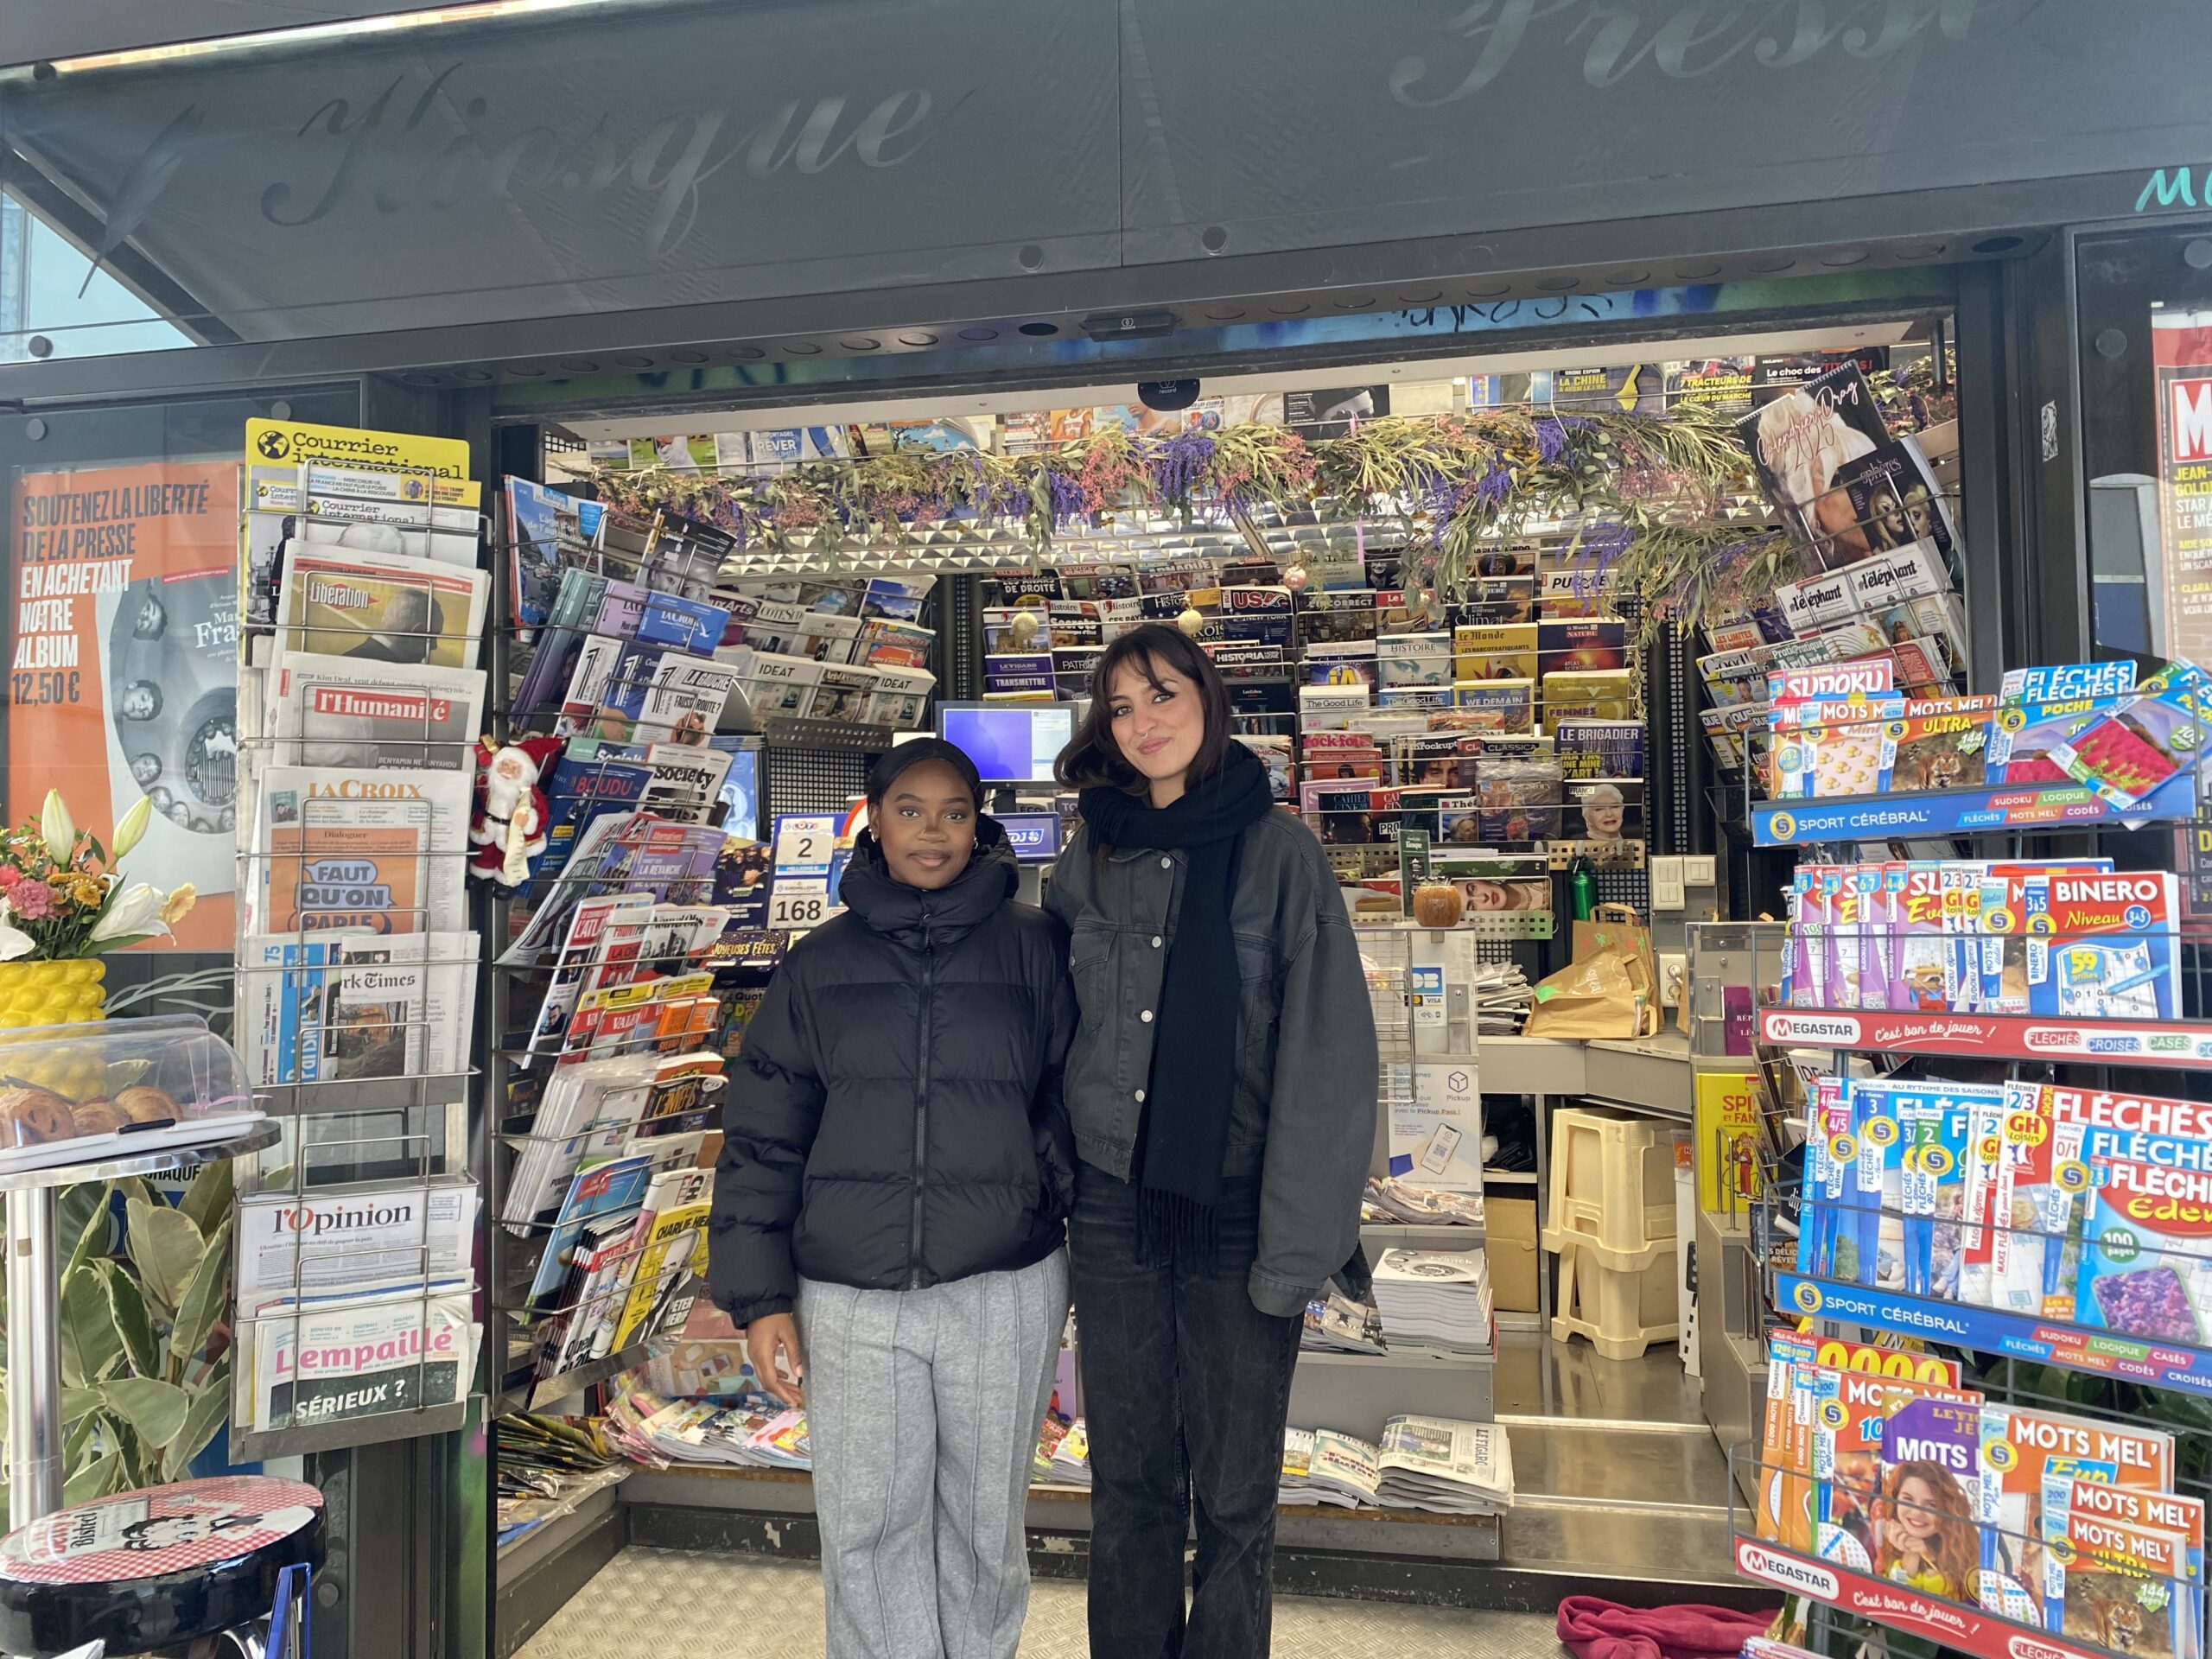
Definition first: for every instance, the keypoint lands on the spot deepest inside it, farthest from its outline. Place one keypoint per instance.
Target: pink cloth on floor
(1597, 1629)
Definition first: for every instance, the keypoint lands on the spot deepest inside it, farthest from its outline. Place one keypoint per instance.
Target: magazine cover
(1851, 1414)
(595, 1195)
(2023, 1448)
(1895, 500)
(340, 712)
(2146, 1257)
(380, 608)
(1798, 443)
(548, 531)
(667, 1246)
(1931, 1470)
(2178, 1516)
(2125, 1589)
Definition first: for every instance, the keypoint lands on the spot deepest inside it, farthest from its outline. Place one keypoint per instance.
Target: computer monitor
(1009, 742)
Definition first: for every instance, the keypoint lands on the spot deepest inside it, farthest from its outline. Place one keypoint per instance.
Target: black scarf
(1184, 1137)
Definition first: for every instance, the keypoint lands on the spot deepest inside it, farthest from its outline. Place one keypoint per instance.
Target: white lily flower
(136, 909)
(14, 941)
(59, 829)
(132, 829)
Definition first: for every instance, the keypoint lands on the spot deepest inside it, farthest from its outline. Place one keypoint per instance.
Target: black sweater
(895, 1119)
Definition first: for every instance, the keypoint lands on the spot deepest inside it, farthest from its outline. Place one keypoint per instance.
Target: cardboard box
(1510, 1237)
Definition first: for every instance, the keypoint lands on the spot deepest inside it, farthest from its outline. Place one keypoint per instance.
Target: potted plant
(145, 1332)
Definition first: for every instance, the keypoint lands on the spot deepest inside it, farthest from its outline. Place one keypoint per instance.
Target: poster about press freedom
(124, 667)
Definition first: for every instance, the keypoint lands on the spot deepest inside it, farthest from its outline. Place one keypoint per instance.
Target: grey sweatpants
(922, 1411)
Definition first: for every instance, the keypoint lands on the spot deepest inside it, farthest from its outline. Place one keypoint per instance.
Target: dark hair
(1092, 758)
(902, 757)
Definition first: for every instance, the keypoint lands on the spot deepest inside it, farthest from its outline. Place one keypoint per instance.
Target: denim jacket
(1303, 1119)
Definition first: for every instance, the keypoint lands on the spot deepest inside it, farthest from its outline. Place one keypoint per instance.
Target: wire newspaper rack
(359, 1042)
(355, 988)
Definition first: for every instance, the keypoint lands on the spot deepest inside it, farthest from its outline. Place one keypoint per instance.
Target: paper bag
(1617, 925)
(1604, 994)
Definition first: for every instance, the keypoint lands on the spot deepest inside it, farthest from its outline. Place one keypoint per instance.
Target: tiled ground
(652, 1603)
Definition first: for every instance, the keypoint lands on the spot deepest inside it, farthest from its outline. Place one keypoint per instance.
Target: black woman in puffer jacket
(890, 1214)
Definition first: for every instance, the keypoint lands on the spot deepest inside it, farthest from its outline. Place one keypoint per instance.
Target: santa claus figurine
(508, 829)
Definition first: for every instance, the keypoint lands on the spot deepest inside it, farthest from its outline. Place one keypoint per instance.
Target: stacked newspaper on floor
(1434, 1464)
(1443, 1464)
(1435, 1298)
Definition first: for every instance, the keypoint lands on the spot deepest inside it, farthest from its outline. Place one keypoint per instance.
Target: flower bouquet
(63, 902)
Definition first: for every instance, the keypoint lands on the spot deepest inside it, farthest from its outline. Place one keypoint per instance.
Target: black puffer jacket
(896, 1119)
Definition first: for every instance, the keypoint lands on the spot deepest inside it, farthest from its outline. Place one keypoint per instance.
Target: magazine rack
(196, 1111)
(2047, 989)
(548, 1344)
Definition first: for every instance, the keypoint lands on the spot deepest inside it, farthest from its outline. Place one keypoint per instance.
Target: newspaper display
(310, 819)
(341, 1238)
(390, 1348)
(350, 712)
(361, 704)
(356, 1007)
(379, 608)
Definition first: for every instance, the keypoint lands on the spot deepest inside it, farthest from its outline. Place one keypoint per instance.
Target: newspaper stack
(1390, 1198)
(352, 1301)
(1442, 1465)
(748, 1431)
(1342, 1470)
(1297, 1466)
(1063, 1454)
(1435, 1298)
(1500, 997)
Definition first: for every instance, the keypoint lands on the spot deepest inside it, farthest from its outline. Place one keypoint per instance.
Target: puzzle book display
(1852, 730)
(1877, 1461)
(2057, 1204)
(2072, 939)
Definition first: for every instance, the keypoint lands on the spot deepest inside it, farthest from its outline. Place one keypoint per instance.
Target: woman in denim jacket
(1222, 1084)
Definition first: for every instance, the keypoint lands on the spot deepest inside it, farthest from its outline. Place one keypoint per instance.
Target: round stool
(152, 1571)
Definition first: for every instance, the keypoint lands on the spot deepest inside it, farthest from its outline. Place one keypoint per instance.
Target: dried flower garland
(1456, 482)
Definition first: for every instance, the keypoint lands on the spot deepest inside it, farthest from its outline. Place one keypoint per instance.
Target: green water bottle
(1582, 886)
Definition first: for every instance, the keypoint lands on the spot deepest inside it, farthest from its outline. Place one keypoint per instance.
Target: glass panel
(53, 303)
(2146, 413)
(121, 633)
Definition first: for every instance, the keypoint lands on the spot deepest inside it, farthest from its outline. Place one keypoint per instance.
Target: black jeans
(1185, 1388)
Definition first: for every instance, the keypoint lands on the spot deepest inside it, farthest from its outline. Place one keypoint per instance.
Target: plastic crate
(1620, 1312)
(1612, 1187)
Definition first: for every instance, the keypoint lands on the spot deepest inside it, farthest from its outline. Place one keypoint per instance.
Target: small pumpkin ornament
(1438, 904)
